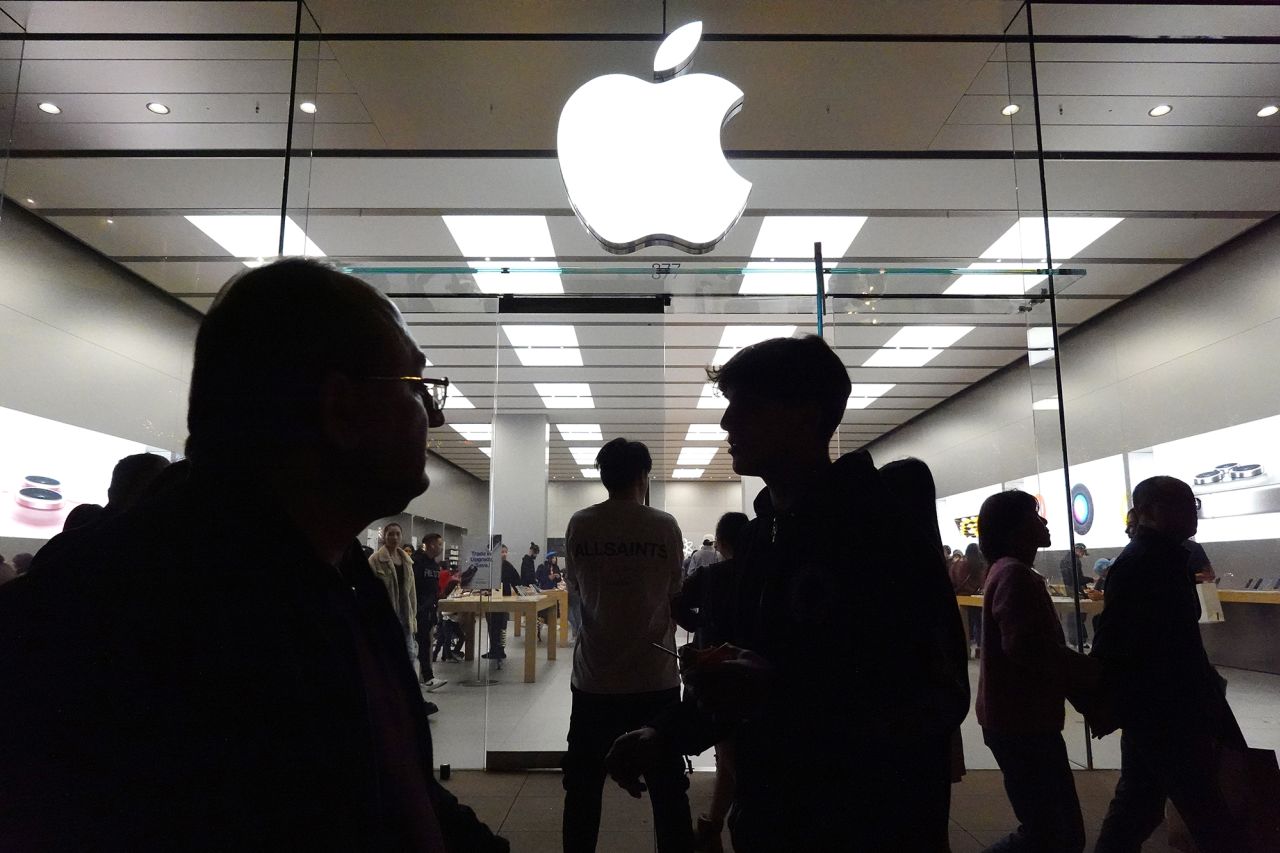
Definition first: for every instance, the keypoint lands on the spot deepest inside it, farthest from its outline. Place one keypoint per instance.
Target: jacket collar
(849, 476)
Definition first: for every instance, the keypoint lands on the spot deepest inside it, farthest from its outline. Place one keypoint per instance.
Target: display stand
(482, 678)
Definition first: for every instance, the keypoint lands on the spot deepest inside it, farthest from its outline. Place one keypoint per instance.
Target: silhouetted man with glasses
(245, 694)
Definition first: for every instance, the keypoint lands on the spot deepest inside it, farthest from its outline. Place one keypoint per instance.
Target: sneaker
(435, 684)
(431, 707)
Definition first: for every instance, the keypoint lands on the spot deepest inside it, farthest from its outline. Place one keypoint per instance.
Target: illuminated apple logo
(642, 161)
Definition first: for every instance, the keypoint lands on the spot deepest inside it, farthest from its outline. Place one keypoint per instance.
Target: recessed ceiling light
(591, 473)
(307, 107)
(31, 201)
(1045, 405)
(687, 473)
(863, 394)
(545, 346)
(487, 451)
(705, 432)
(158, 108)
(693, 456)
(711, 398)
(1024, 243)
(916, 346)
(1159, 110)
(1011, 109)
(506, 237)
(456, 399)
(584, 455)
(734, 338)
(474, 432)
(794, 236)
(1268, 111)
(1039, 344)
(580, 432)
(256, 236)
(565, 395)
(111, 221)
(50, 108)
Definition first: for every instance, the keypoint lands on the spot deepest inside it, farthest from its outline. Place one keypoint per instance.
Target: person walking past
(967, 577)
(704, 556)
(1169, 700)
(426, 580)
(626, 568)
(529, 566)
(392, 566)
(1023, 679)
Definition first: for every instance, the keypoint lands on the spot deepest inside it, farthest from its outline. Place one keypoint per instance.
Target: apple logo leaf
(676, 51)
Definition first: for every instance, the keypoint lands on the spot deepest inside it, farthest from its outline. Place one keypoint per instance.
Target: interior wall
(1192, 353)
(454, 497)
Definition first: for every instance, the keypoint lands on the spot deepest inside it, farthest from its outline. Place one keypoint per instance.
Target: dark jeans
(596, 721)
(1038, 781)
(426, 621)
(975, 625)
(1069, 627)
(1181, 766)
(497, 627)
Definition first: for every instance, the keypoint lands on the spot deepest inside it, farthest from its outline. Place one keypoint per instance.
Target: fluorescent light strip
(694, 456)
(487, 451)
(565, 395)
(474, 432)
(584, 455)
(687, 473)
(711, 398)
(735, 338)
(705, 432)
(591, 473)
(1048, 404)
(1023, 244)
(481, 238)
(545, 346)
(793, 237)
(863, 394)
(580, 432)
(916, 346)
(457, 400)
(1039, 344)
(256, 236)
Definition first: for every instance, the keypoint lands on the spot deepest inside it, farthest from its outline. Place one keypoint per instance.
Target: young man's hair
(131, 477)
(1160, 489)
(264, 349)
(431, 537)
(622, 462)
(729, 529)
(789, 370)
(390, 525)
(998, 522)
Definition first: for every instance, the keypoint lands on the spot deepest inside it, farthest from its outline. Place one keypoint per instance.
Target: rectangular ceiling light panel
(735, 338)
(705, 432)
(687, 473)
(521, 243)
(711, 398)
(693, 456)
(916, 346)
(580, 432)
(256, 236)
(545, 346)
(487, 451)
(474, 432)
(584, 455)
(1048, 404)
(793, 237)
(456, 399)
(863, 394)
(565, 395)
(1023, 244)
(591, 473)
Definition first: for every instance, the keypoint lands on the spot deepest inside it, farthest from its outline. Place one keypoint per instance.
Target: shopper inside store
(657, 426)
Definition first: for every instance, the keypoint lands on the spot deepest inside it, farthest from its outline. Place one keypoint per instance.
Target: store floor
(510, 715)
(526, 809)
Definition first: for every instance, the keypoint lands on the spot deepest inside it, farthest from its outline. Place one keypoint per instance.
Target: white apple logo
(642, 162)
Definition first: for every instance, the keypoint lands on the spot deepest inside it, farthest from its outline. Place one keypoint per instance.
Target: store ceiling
(408, 132)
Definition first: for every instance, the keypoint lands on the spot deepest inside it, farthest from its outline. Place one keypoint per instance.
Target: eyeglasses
(434, 394)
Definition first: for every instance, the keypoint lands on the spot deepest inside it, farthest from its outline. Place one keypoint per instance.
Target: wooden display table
(471, 606)
(562, 597)
(1250, 596)
(1062, 603)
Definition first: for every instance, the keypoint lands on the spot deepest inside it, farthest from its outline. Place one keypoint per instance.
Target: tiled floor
(526, 809)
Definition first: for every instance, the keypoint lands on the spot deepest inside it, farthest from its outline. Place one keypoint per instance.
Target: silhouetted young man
(246, 694)
(842, 725)
(1170, 700)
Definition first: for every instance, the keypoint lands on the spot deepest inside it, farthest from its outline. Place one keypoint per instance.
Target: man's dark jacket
(851, 749)
(179, 678)
(1148, 639)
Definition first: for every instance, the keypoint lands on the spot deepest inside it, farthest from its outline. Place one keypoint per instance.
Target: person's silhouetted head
(624, 469)
(433, 545)
(1166, 505)
(911, 482)
(786, 396)
(973, 554)
(534, 550)
(1080, 549)
(729, 531)
(82, 515)
(131, 477)
(22, 562)
(1009, 525)
(302, 370)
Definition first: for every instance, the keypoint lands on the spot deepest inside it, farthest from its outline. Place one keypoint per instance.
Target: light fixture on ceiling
(110, 221)
(1159, 110)
(735, 338)
(487, 451)
(565, 395)
(158, 108)
(1039, 344)
(307, 107)
(1024, 242)
(506, 237)
(31, 201)
(474, 432)
(591, 473)
(584, 455)
(580, 432)
(545, 346)
(863, 394)
(687, 473)
(1048, 404)
(916, 346)
(794, 236)
(1268, 111)
(705, 432)
(456, 399)
(711, 398)
(256, 236)
(50, 108)
(1010, 109)
(691, 457)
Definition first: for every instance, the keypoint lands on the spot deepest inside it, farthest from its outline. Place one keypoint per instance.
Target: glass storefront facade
(983, 209)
